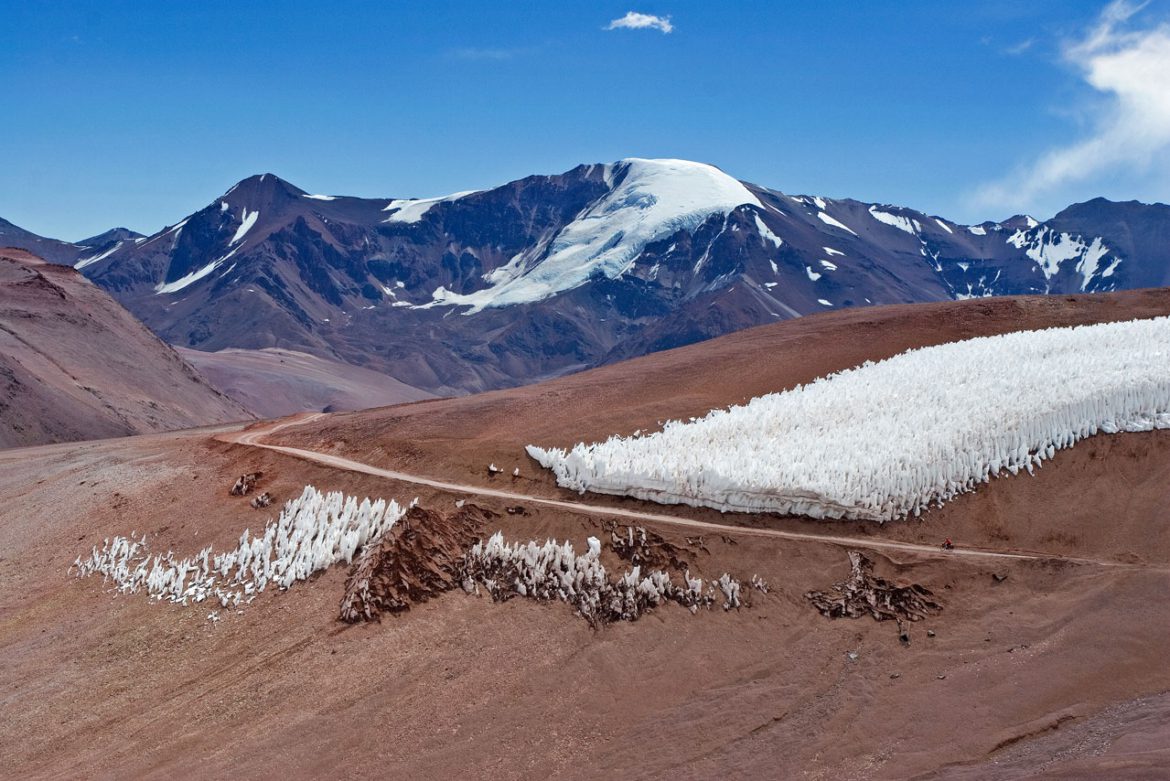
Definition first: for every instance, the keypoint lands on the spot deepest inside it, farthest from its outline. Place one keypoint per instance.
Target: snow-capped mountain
(549, 274)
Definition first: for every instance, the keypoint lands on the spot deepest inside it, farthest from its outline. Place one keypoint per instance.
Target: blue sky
(136, 114)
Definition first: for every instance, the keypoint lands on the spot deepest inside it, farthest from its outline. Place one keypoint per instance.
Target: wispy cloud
(1130, 130)
(1020, 48)
(636, 21)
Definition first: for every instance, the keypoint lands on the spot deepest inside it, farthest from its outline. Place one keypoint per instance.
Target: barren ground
(274, 382)
(75, 365)
(1057, 669)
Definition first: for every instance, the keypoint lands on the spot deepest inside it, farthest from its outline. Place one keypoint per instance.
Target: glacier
(648, 200)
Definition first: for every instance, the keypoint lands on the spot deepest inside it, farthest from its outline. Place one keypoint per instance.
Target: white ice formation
(883, 440)
(313, 532)
(555, 571)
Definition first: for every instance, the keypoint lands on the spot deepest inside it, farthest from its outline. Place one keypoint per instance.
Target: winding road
(254, 437)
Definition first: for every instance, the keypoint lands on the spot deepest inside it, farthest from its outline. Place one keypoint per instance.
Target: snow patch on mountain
(164, 288)
(896, 221)
(766, 234)
(96, 258)
(649, 200)
(411, 210)
(825, 218)
(247, 220)
(320, 197)
(1051, 249)
(977, 230)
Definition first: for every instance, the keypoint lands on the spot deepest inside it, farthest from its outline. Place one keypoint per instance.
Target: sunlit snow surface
(1051, 249)
(896, 221)
(247, 220)
(165, 288)
(648, 200)
(887, 439)
(766, 234)
(96, 258)
(825, 218)
(411, 210)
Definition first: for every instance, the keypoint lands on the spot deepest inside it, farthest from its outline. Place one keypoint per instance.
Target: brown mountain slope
(1040, 665)
(274, 382)
(75, 365)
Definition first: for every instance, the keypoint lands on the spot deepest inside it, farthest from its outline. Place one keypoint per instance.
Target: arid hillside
(1043, 658)
(75, 365)
(274, 382)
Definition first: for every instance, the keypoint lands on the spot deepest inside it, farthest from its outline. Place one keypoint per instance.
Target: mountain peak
(261, 189)
(110, 236)
(1100, 207)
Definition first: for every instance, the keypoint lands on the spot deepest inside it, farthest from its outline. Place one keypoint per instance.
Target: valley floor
(1059, 667)
(1056, 667)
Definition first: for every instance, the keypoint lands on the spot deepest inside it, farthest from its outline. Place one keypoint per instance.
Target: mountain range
(551, 274)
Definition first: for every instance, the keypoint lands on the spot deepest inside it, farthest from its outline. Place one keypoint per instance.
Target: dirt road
(254, 436)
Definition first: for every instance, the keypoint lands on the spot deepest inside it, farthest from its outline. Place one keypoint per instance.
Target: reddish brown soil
(1058, 669)
(75, 365)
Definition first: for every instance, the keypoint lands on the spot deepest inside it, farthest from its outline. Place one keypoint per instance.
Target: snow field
(313, 532)
(648, 200)
(412, 210)
(905, 224)
(884, 440)
(1050, 250)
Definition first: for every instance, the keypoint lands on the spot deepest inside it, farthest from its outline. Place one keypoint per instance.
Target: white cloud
(636, 21)
(1130, 131)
